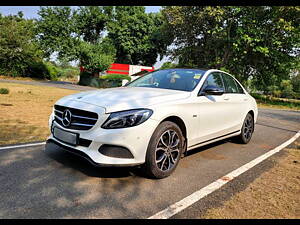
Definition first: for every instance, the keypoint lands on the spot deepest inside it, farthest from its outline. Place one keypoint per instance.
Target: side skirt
(235, 133)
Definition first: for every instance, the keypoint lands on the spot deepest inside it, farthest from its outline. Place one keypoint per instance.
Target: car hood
(124, 98)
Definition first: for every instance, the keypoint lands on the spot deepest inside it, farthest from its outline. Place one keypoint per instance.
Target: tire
(162, 157)
(247, 130)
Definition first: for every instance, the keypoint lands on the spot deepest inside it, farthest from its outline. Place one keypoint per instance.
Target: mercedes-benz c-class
(154, 120)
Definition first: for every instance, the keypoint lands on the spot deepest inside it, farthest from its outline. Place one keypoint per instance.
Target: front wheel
(247, 130)
(164, 150)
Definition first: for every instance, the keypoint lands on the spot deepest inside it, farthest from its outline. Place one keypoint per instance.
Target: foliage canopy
(258, 43)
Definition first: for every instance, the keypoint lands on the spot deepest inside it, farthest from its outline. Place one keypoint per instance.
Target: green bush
(69, 72)
(296, 95)
(287, 89)
(296, 83)
(277, 93)
(52, 71)
(86, 74)
(37, 69)
(4, 91)
(267, 99)
(99, 83)
(105, 81)
(48, 70)
(116, 77)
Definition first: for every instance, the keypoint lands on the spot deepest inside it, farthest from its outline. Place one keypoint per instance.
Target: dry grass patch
(25, 111)
(275, 194)
(21, 78)
(269, 106)
(73, 80)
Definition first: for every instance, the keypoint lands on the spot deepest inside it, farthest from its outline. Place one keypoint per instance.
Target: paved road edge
(198, 195)
(22, 145)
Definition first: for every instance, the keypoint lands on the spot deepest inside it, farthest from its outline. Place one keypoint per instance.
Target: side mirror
(212, 90)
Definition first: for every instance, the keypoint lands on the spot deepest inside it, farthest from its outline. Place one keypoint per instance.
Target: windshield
(175, 79)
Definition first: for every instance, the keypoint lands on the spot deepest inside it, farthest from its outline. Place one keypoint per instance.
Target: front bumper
(85, 156)
(135, 139)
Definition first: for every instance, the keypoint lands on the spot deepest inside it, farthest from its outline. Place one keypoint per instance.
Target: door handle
(226, 98)
(245, 99)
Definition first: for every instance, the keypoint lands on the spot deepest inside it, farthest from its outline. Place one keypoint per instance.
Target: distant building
(127, 69)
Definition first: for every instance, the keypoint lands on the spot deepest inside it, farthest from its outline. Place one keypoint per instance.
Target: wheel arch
(179, 122)
(252, 114)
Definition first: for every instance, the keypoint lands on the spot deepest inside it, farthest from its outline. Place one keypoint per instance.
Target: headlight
(128, 118)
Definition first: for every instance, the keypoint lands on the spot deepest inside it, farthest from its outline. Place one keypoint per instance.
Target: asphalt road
(46, 182)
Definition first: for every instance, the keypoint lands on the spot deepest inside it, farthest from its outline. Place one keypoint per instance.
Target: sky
(30, 12)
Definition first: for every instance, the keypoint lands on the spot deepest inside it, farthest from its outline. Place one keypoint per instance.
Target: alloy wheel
(167, 150)
(248, 127)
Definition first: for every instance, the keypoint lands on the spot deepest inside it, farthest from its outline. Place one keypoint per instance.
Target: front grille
(80, 120)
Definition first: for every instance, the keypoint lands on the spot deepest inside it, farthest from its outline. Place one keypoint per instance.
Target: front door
(213, 110)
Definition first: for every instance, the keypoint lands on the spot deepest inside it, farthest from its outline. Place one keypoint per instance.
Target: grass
(72, 79)
(264, 101)
(20, 78)
(25, 111)
(4, 91)
(275, 194)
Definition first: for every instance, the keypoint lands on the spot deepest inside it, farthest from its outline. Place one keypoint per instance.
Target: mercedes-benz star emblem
(66, 118)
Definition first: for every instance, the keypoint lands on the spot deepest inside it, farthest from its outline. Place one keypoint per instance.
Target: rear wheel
(164, 150)
(247, 130)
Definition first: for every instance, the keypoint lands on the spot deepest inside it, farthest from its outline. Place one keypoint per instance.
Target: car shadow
(78, 163)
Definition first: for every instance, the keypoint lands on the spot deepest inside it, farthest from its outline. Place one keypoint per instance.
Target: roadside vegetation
(25, 111)
(268, 101)
(274, 194)
(4, 91)
(257, 44)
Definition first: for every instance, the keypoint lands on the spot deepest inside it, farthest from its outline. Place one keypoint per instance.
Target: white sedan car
(154, 120)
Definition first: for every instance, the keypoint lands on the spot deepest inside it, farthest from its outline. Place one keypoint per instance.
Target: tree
(295, 77)
(91, 21)
(296, 83)
(76, 35)
(18, 49)
(251, 42)
(97, 57)
(56, 31)
(136, 35)
(70, 33)
(168, 65)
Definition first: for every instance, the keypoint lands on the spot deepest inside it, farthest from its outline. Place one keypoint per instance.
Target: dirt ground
(274, 194)
(25, 111)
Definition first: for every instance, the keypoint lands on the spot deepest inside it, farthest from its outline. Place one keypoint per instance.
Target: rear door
(236, 103)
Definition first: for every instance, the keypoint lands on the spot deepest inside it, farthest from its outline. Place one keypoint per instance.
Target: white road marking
(196, 196)
(24, 145)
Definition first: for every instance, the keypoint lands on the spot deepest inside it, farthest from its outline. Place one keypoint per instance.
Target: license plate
(65, 136)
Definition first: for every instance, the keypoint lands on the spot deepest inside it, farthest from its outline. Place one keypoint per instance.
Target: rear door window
(240, 89)
(230, 84)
